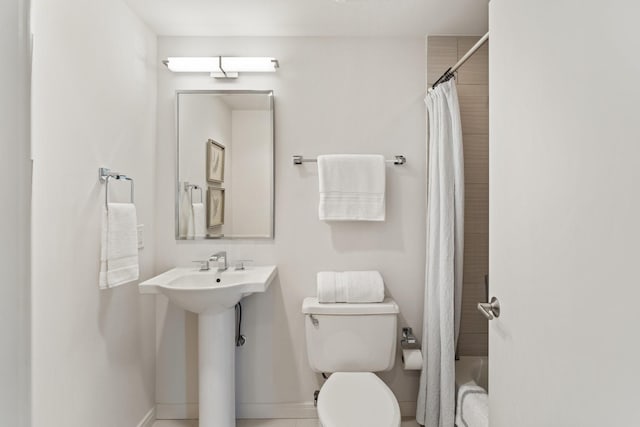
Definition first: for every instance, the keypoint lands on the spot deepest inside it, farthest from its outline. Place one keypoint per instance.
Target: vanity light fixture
(221, 67)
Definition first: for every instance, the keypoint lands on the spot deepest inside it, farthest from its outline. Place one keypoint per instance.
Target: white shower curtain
(445, 248)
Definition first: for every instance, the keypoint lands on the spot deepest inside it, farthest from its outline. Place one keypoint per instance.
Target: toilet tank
(351, 337)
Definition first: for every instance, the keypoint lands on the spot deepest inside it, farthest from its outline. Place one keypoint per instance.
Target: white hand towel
(119, 254)
(199, 225)
(351, 187)
(326, 286)
(186, 216)
(473, 406)
(350, 287)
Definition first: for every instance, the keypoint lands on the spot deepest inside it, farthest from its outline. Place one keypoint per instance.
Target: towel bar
(105, 175)
(398, 160)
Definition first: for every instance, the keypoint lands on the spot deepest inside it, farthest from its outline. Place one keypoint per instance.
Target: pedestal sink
(213, 296)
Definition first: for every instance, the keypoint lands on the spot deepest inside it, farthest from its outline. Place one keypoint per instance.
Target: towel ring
(192, 187)
(105, 175)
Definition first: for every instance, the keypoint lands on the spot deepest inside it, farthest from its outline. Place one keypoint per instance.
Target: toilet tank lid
(311, 305)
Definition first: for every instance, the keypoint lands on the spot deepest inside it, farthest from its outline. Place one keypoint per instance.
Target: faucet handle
(204, 264)
(241, 262)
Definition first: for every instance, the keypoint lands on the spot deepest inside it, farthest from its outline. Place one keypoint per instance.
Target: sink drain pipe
(240, 339)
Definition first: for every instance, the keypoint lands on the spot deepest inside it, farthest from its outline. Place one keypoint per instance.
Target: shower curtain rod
(449, 73)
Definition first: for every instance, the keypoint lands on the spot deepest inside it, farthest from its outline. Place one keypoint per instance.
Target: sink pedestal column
(216, 363)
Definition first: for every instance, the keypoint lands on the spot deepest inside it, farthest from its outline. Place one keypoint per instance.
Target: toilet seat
(349, 399)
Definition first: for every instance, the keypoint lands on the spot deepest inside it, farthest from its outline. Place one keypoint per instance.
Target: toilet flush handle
(314, 320)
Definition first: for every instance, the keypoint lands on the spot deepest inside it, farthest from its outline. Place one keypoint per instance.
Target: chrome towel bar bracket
(105, 174)
(398, 160)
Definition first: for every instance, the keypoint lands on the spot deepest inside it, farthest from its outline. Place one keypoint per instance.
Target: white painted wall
(94, 104)
(332, 95)
(564, 213)
(15, 193)
(251, 171)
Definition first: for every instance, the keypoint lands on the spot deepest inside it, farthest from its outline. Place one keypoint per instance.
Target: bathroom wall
(94, 104)
(473, 91)
(332, 95)
(15, 193)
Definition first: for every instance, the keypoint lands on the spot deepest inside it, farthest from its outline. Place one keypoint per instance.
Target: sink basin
(213, 294)
(209, 291)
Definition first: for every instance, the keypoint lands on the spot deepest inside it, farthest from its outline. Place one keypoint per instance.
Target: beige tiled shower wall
(473, 91)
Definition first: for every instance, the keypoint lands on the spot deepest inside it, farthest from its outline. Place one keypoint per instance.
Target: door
(15, 193)
(565, 213)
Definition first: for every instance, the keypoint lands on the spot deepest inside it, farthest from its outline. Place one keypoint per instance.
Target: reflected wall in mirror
(225, 185)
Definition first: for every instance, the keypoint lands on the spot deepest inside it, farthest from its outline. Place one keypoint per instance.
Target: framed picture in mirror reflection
(215, 207)
(215, 162)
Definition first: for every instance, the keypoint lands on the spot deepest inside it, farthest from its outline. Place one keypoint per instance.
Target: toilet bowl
(352, 341)
(350, 399)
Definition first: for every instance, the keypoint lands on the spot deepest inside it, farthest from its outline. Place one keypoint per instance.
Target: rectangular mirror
(225, 164)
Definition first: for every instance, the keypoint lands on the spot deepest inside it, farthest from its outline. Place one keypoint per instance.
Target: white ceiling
(313, 17)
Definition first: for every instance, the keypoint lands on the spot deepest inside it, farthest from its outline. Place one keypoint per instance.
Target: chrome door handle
(490, 310)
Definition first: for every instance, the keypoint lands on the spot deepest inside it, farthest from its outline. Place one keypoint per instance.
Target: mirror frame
(272, 231)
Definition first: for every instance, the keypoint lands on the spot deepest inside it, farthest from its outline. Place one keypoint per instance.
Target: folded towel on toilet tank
(350, 287)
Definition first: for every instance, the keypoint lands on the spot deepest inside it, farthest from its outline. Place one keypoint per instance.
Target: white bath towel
(119, 254)
(350, 287)
(351, 187)
(473, 406)
(198, 220)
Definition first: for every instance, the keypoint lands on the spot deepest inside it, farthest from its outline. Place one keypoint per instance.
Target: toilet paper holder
(409, 341)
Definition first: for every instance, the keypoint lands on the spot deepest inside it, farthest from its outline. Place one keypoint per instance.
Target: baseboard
(177, 411)
(148, 419)
(189, 411)
(276, 410)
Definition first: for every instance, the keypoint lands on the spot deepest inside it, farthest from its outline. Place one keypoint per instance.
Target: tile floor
(406, 422)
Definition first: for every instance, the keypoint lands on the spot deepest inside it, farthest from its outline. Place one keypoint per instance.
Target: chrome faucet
(221, 259)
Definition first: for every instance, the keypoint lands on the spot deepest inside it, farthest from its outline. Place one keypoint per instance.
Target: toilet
(351, 342)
